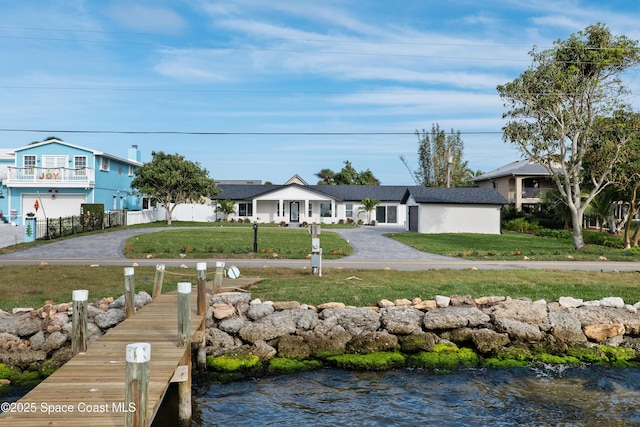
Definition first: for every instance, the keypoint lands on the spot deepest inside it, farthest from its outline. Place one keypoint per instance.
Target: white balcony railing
(49, 176)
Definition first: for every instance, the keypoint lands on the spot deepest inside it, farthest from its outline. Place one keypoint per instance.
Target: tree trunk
(576, 220)
(627, 226)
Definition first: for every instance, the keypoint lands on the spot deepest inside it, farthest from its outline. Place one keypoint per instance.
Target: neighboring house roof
(77, 147)
(517, 168)
(295, 179)
(337, 192)
(463, 195)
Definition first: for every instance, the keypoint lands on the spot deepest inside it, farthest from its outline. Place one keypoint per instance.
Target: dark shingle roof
(464, 195)
(384, 193)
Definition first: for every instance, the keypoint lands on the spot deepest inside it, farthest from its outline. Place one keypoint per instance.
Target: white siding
(438, 218)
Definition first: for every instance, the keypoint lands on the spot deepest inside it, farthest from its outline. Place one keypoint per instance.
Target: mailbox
(316, 256)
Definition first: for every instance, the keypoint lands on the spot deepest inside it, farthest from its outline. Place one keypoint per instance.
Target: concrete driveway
(11, 235)
(372, 250)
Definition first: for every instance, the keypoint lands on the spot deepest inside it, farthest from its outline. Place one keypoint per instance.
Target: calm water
(332, 397)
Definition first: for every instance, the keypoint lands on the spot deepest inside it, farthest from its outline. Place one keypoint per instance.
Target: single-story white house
(433, 210)
(453, 210)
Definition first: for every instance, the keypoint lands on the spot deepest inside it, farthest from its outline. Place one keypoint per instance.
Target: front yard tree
(555, 109)
(368, 205)
(172, 180)
(440, 161)
(225, 207)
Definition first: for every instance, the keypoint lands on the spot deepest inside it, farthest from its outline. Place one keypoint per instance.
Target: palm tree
(368, 205)
(326, 176)
(226, 208)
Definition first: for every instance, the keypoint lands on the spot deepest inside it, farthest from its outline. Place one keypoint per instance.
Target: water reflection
(538, 396)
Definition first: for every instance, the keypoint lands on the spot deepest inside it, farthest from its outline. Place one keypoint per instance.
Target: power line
(225, 133)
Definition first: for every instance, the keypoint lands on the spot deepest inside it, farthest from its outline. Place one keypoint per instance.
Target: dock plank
(89, 390)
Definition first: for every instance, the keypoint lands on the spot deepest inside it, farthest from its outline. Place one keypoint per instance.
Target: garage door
(60, 205)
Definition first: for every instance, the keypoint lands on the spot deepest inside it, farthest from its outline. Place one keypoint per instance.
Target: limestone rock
(22, 324)
(385, 303)
(488, 300)
(570, 302)
(417, 342)
(258, 311)
(487, 340)
(219, 342)
(565, 327)
(293, 347)
(402, 302)
(269, 327)
(223, 311)
(615, 302)
(425, 305)
(326, 340)
(22, 358)
(454, 317)
(264, 351)
(519, 331)
(37, 340)
(601, 332)
(458, 336)
(329, 305)
(355, 321)
(371, 342)
(232, 325)
(522, 310)
(401, 320)
(457, 300)
(109, 318)
(231, 298)
(53, 342)
(442, 301)
(286, 305)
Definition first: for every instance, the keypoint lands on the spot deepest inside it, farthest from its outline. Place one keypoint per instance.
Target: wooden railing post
(202, 309)
(184, 314)
(158, 280)
(79, 321)
(129, 292)
(137, 375)
(184, 340)
(201, 268)
(217, 278)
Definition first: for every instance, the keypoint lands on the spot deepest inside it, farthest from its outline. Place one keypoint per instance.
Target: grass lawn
(513, 246)
(233, 242)
(31, 286)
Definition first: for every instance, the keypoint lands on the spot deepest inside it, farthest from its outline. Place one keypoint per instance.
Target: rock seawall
(245, 333)
(492, 328)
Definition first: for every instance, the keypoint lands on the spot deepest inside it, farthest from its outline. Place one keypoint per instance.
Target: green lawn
(514, 246)
(233, 242)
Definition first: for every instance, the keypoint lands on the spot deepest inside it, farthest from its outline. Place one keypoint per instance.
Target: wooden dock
(89, 390)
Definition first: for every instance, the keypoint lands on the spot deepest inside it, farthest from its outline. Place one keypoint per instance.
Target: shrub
(521, 225)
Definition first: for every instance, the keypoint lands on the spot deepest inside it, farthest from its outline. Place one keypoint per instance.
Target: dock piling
(129, 292)
(137, 373)
(79, 321)
(158, 280)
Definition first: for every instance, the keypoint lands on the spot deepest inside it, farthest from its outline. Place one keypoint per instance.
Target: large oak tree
(172, 180)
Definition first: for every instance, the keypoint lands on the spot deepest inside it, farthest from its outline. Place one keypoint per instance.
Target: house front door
(294, 212)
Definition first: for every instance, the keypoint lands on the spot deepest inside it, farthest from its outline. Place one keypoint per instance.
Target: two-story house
(522, 183)
(53, 178)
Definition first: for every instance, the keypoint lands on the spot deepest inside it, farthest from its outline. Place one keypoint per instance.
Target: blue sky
(265, 90)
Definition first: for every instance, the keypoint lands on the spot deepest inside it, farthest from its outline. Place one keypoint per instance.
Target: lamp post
(255, 237)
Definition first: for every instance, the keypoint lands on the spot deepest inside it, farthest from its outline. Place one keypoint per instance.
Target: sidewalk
(11, 235)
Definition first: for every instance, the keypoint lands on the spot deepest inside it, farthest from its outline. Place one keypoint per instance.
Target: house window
(131, 171)
(310, 214)
(119, 169)
(29, 164)
(245, 209)
(80, 165)
(104, 164)
(349, 210)
(325, 210)
(387, 214)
